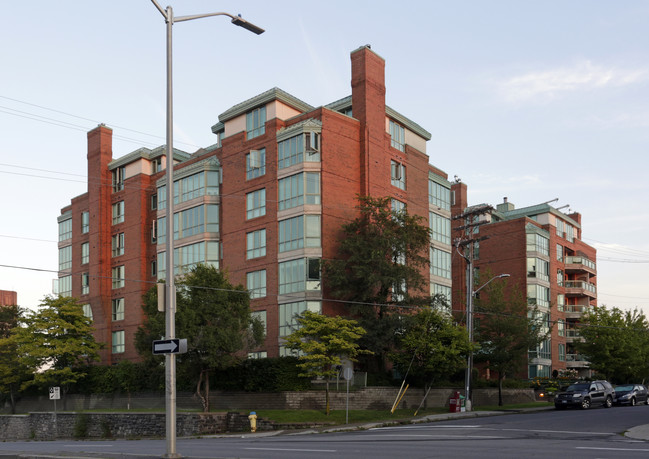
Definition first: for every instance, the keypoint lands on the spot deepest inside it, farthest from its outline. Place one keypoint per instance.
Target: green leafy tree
(432, 346)
(616, 343)
(12, 371)
(323, 341)
(56, 343)
(379, 270)
(506, 330)
(215, 318)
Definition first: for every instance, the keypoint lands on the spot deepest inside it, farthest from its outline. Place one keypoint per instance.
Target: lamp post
(170, 296)
(469, 326)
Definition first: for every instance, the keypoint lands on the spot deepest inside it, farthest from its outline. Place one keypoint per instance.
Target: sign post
(55, 394)
(348, 374)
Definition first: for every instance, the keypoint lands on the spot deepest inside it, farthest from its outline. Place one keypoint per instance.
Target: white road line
(445, 436)
(557, 431)
(300, 450)
(613, 449)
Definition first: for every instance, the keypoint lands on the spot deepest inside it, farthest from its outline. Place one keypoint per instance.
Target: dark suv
(585, 394)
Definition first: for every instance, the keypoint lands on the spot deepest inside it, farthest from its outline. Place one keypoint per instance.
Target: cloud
(550, 84)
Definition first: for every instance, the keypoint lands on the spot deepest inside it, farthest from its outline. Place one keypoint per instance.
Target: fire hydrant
(253, 421)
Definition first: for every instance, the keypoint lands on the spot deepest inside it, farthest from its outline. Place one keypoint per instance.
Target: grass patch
(337, 417)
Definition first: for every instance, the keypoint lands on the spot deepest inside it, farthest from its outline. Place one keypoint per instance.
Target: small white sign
(55, 393)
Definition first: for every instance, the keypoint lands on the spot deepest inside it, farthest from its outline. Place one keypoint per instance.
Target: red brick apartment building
(541, 249)
(266, 202)
(8, 298)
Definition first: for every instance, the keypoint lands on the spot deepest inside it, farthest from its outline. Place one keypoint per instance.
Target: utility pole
(469, 244)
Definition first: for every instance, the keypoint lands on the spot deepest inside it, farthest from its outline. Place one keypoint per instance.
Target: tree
(12, 371)
(616, 343)
(56, 343)
(378, 270)
(432, 347)
(323, 342)
(506, 329)
(214, 316)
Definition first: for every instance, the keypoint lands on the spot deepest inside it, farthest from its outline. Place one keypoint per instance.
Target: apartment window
(85, 283)
(288, 313)
(397, 206)
(118, 276)
(398, 136)
(256, 283)
(154, 268)
(85, 253)
(154, 201)
(440, 263)
(154, 231)
(561, 327)
(256, 204)
(162, 197)
(188, 256)
(156, 165)
(562, 352)
(65, 230)
(299, 189)
(261, 316)
(199, 219)
(292, 151)
(560, 253)
(539, 295)
(561, 302)
(256, 122)
(398, 175)
(561, 228)
(65, 258)
(256, 244)
(118, 342)
(118, 212)
(560, 277)
(65, 286)
(299, 232)
(538, 268)
(87, 311)
(439, 195)
(538, 243)
(85, 222)
(118, 244)
(443, 290)
(440, 228)
(570, 233)
(255, 163)
(118, 309)
(118, 179)
(299, 275)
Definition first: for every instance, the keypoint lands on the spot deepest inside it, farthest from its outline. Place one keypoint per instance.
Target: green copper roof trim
(208, 164)
(64, 216)
(310, 125)
(340, 104)
(262, 99)
(537, 210)
(439, 180)
(411, 125)
(146, 153)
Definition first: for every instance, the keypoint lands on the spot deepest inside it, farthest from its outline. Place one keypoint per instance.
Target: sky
(529, 100)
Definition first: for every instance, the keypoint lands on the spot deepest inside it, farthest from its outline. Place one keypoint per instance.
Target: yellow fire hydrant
(253, 421)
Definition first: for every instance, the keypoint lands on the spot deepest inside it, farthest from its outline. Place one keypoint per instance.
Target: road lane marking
(300, 450)
(612, 449)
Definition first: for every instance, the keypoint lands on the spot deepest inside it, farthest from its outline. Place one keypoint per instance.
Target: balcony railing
(572, 333)
(581, 261)
(582, 285)
(576, 358)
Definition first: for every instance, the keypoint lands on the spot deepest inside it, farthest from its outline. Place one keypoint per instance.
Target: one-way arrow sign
(170, 346)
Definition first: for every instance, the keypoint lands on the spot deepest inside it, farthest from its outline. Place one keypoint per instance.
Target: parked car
(586, 394)
(631, 394)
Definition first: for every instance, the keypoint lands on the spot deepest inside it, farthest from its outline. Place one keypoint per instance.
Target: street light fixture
(469, 325)
(170, 296)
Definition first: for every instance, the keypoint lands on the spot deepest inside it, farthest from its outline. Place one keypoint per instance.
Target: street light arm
(162, 11)
(489, 281)
(236, 20)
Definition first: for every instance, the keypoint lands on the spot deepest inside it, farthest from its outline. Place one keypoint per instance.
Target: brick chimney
(368, 106)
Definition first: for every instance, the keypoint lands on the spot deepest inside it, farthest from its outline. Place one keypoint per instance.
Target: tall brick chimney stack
(368, 106)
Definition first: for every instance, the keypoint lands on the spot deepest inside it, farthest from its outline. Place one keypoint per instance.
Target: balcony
(576, 361)
(575, 311)
(580, 265)
(580, 288)
(572, 335)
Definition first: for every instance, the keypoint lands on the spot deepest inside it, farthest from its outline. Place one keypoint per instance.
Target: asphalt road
(595, 433)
